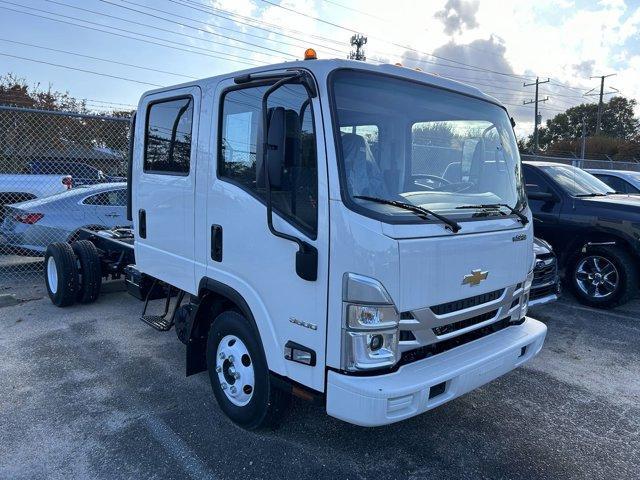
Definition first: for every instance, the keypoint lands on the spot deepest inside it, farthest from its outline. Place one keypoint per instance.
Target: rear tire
(90, 271)
(61, 274)
(603, 277)
(249, 399)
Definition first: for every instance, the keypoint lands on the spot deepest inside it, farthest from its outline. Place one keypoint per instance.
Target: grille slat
(455, 326)
(450, 307)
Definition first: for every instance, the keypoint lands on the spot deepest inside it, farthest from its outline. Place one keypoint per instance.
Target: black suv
(594, 231)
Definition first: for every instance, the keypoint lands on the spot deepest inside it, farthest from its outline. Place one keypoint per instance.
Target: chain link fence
(59, 172)
(62, 171)
(586, 163)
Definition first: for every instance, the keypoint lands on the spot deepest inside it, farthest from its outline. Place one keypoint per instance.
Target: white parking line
(599, 311)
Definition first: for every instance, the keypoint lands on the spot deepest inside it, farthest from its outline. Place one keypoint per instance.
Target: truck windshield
(408, 142)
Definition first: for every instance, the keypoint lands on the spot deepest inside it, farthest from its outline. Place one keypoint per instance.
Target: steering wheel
(435, 178)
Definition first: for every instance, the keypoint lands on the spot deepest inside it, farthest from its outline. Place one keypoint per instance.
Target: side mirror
(273, 150)
(542, 196)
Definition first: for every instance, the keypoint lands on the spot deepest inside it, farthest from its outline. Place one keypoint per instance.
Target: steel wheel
(52, 275)
(234, 367)
(597, 276)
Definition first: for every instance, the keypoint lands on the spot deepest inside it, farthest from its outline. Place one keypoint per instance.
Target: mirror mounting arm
(307, 254)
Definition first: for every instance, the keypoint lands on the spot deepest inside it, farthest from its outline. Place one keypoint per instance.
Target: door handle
(142, 223)
(216, 243)
(112, 215)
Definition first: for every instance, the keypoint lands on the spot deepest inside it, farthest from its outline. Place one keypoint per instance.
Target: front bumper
(379, 400)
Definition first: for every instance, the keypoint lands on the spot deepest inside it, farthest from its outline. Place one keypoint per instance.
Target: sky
(121, 48)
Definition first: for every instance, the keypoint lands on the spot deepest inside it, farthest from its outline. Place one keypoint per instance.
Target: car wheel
(89, 269)
(239, 374)
(61, 274)
(604, 277)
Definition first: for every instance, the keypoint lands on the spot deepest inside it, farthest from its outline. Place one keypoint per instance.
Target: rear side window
(113, 198)
(168, 136)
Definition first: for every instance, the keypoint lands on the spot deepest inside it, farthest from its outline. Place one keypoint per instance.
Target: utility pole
(537, 117)
(359, 41)
(600, 103)
(584, 139)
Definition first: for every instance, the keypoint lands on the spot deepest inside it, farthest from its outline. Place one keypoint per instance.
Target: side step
(162, 323)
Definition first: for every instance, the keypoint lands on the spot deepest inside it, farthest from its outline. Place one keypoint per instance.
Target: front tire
(603, 277)
(239, 374)
(61, 274)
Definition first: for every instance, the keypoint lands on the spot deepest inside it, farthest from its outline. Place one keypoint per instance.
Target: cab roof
(322, 68)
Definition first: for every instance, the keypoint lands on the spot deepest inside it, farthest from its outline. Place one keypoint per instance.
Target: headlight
(370, 325)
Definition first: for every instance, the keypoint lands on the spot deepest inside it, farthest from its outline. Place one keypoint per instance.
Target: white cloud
(540, 37)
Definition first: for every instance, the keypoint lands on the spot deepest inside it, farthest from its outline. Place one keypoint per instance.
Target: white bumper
(383, 399)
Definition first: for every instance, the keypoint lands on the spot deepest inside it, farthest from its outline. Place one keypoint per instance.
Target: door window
(535, 183)
(168, 137)
(616, 183)
(297, 197)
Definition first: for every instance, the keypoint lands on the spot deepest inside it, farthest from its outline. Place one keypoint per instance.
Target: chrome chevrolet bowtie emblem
(475, 278)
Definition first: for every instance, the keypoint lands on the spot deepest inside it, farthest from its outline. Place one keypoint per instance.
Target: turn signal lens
(371, 317)
(310, 54)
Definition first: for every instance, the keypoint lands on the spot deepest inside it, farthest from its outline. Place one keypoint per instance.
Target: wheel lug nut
(223, 386)
(231, 358)
(222, 356)
(234, 390)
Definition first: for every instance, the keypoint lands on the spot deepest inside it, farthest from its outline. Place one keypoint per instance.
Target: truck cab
(349, 233)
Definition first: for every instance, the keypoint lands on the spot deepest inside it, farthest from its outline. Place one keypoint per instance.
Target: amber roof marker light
(310, 54)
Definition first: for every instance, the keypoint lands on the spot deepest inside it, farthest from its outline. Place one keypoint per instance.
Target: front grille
(455, 326)
(456, 305)
(542, 292)
(443, 346)
(545, 271)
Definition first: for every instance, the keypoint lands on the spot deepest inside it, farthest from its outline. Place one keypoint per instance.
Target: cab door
(244, 254)
(164, 178)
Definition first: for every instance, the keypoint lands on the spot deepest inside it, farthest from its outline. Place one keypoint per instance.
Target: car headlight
(370, 325)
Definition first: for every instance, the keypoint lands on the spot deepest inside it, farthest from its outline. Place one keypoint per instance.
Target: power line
(96, 58)
(232, 16)
(180, 47)
(154, 27)
(80, 70)
(361, 12)
(106, 104)
(227, 28)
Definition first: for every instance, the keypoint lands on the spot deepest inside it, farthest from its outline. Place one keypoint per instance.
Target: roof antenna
(358, 40)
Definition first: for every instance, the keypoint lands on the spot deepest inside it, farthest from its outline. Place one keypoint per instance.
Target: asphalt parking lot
(91, 392)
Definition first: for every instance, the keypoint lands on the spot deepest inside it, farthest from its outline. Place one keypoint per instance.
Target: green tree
(618, 122)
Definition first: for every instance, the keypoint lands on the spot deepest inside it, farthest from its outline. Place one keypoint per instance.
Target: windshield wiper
(420, 211)
(591, 195)
(521, 216)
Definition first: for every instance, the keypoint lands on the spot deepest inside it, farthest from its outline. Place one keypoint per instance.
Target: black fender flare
(218, 296)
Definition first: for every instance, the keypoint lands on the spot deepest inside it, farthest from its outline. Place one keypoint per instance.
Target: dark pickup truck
(594, 232)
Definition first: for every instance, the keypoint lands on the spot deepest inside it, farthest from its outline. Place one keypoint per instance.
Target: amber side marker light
(310, 54)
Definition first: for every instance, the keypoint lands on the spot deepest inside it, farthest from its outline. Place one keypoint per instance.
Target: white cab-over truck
(352, 234)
